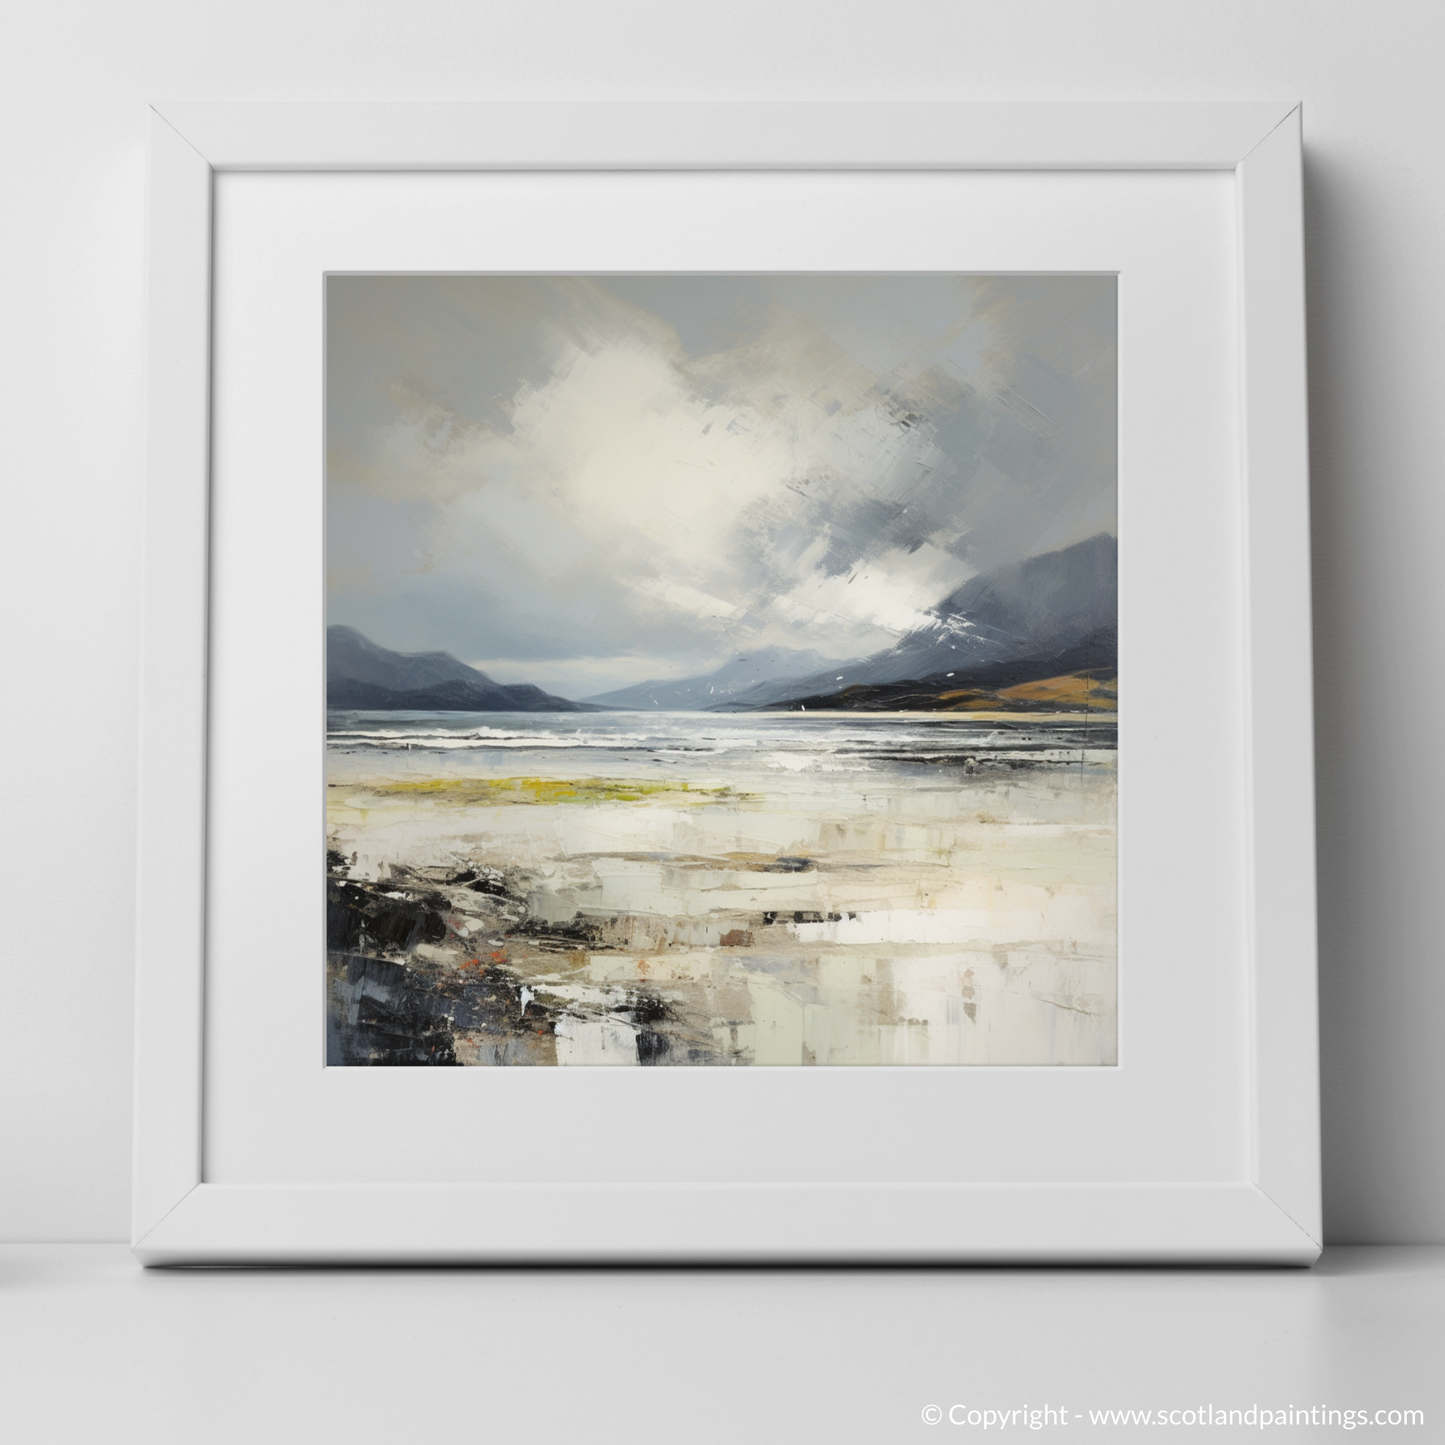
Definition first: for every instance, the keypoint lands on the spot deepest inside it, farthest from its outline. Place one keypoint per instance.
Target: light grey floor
(94, 1349)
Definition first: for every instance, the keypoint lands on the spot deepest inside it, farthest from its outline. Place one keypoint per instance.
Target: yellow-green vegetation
(970, 699)
(1077, 689)
(491, 792)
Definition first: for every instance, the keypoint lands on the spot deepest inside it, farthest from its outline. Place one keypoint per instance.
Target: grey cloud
(987, 407)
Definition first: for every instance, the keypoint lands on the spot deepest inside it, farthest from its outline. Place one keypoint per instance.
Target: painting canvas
(721, 670)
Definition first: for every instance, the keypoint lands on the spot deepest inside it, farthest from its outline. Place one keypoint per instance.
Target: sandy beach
(721, 891)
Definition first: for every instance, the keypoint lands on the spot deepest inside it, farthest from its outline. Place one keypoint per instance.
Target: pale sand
(831, 917)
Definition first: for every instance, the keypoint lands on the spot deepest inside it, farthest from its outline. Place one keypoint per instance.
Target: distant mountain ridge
(1082, 677)
(691, 694)
(1027, 612)
(1046, 618)
(362, 675)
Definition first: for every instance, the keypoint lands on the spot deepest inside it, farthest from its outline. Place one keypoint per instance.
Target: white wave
(780, 741)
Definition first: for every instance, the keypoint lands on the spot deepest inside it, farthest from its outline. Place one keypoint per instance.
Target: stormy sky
(583, 482)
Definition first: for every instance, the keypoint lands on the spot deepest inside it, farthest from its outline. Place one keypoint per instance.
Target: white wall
(75, 77)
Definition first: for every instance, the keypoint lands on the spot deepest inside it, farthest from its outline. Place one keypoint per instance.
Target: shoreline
(993, 715)
(876, 915)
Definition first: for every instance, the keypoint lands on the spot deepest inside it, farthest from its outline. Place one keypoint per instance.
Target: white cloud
(809, 484)
(623, 462)
(889, 595)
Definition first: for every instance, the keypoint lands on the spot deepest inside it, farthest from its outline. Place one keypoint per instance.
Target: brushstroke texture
(585, 483)
(722, 671)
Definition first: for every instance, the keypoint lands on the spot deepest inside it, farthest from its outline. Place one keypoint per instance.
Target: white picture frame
(1270, 1213)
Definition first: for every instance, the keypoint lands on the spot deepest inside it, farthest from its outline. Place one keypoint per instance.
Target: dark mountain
(689, 694)
(1080, 678)
(1029, 611)
(362, 675)
(356, 658)
(1096, 653)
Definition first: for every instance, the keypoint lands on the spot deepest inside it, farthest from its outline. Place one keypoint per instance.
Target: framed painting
(687, 719)
(788, 735)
